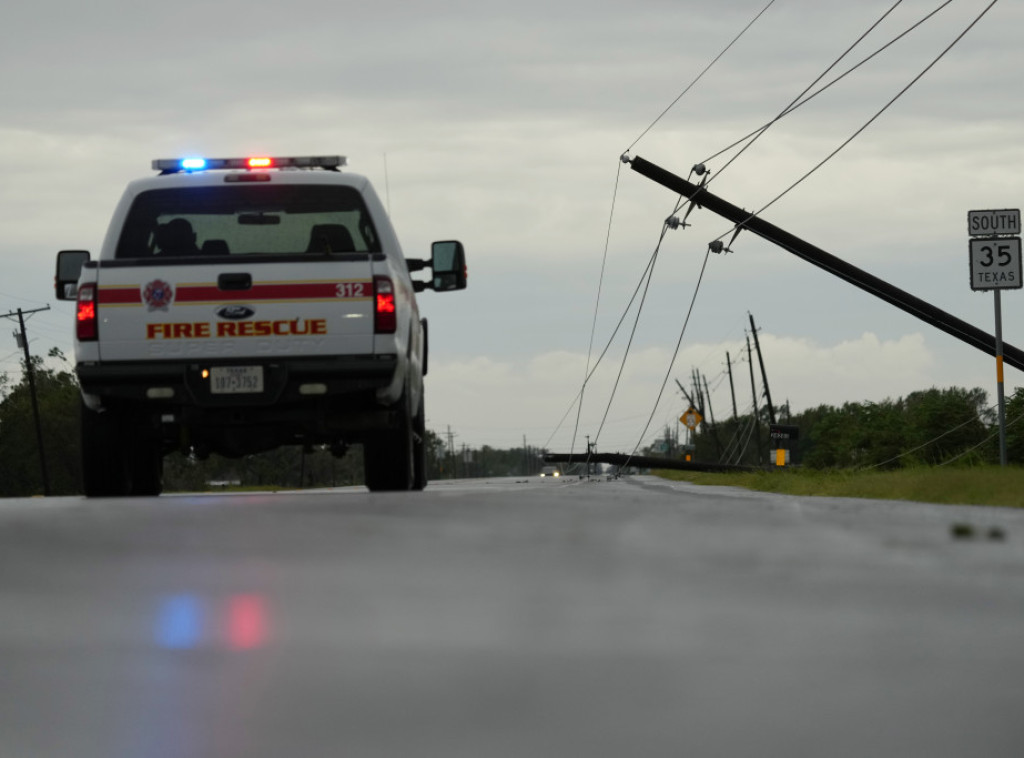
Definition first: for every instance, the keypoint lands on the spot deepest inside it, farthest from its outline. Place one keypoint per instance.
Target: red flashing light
(259, 162)
(85, 315)
(247, 622)
(385, 318)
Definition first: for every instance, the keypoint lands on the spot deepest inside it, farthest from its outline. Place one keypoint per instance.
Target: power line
(789, 108)
(866, 124)
(700, 75)
(675, 353)
(632, 334)
(615, 195)
(597, 305)
(622, 318)
(802, 102)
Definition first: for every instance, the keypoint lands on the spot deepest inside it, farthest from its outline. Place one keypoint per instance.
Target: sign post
(691, 419)
(995, 254)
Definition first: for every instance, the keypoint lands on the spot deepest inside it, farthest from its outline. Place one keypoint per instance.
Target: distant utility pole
(764, 375)
(451, 454)
(711, 415)
(22, 340)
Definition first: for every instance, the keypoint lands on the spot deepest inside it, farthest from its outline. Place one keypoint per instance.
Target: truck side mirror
(69, 269)
(448, 261)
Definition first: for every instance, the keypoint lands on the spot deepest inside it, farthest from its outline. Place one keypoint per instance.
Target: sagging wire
(672, 222)
(611, 339)
(932, 441)
(587, 371)
(622, 365)
(675, 354)
(593, 325)
(983, 442)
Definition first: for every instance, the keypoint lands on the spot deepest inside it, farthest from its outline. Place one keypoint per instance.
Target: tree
(59, 406)
(944, 423)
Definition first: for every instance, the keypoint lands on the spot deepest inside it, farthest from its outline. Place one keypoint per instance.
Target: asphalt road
(509, 618)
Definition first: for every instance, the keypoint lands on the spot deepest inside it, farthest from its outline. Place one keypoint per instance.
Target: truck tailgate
(235, 310)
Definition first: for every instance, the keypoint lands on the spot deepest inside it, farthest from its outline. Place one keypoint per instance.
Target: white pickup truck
(242, 304)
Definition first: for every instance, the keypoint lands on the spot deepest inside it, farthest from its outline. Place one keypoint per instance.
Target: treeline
(929, 427)
(286, 468)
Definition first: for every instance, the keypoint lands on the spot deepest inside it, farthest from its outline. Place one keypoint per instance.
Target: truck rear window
(282, 219)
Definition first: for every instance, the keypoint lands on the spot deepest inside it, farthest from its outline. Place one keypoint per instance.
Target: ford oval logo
(235, 312)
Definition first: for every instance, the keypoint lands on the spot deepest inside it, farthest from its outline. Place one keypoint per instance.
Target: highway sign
(783, 432)
(991, 223)
(995, 263)
(691, 419)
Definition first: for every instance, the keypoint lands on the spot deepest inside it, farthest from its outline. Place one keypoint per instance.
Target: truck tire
(419, 448)
(115, 462)
(104, 468)
(388, 456)
(147, 467)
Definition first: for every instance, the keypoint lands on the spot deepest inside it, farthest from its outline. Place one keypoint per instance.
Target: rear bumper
(181, 383)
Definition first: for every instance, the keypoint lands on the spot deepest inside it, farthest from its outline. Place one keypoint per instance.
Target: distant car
(550, 471)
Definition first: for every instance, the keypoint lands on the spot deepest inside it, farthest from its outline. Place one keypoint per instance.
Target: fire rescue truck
(242, 304)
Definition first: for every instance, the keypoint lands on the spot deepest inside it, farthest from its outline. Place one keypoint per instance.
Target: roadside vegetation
(974, 485)
(935, 446)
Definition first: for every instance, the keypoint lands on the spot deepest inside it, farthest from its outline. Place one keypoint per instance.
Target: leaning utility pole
(764, 375)
(732, 388)
(23, 343)
(698, 391)
(686, 394)
(881, 289)
(753, 390)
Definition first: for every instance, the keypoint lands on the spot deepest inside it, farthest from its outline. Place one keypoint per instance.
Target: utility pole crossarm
(881, 289)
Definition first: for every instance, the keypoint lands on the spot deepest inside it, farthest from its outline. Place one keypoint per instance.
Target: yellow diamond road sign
(691, 419)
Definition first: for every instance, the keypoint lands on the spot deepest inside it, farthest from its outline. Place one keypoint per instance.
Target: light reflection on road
(188, 621)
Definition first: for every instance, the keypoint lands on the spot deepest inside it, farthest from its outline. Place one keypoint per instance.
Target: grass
(978, 485)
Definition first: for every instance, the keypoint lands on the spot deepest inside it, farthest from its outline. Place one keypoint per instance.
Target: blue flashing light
(180, 622)
(193, 164)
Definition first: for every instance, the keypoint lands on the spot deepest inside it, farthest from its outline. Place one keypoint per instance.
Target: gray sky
(501, 125)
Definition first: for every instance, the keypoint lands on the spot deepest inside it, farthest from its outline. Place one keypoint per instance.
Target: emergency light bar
(174, 165)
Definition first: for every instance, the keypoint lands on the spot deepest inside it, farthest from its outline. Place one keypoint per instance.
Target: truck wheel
(147, 467)
(419, 447)
(104, 468)
(388, 456)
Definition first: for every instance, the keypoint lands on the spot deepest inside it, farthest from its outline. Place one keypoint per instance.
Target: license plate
(236, 380)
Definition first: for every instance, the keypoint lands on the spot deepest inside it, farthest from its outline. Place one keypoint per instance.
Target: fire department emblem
(158, 295)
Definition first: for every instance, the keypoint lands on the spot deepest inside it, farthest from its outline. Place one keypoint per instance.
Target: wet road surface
(509, 618)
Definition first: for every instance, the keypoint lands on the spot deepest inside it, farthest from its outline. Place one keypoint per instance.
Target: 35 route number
(1002, 250)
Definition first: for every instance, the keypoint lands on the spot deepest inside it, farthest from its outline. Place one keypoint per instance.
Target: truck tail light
(385, 318)
(85, 316)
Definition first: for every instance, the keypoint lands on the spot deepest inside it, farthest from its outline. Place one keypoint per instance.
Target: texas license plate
(236, 380)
